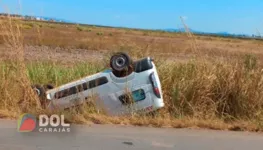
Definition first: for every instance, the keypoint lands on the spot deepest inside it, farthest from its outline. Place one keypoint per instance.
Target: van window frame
(82, 87)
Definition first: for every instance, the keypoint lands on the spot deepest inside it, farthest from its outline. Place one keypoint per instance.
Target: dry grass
(204, 92)
(16, 95)
(158, 43)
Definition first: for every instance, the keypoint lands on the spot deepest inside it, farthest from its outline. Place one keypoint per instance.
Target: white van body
(110, 90)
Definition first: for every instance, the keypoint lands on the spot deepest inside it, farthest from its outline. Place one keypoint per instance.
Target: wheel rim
(120, 62)
(38, 91)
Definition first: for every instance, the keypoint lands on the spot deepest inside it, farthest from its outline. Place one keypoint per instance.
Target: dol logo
(54, 123)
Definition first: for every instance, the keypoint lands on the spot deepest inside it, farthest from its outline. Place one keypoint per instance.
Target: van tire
(40, 90)
(41, 93)
(120, 62)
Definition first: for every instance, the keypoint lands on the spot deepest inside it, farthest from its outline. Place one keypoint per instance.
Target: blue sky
(234, 16)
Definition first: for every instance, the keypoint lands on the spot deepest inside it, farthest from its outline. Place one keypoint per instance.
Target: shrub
(79, 28)
(51, 26)
(99, 33)
(26, 26)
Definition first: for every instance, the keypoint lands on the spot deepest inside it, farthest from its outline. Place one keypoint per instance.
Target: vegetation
(202, 91)
(99, 33)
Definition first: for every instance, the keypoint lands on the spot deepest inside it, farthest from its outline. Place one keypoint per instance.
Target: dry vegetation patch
(218, 85)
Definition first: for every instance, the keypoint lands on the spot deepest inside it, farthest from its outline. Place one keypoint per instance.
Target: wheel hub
(120, 62)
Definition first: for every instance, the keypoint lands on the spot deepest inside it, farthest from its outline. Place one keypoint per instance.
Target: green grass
(44, 73)
(203, 91)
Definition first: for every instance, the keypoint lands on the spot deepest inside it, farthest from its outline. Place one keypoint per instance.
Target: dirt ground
(44, 53)
(73, 43)
(67, 56)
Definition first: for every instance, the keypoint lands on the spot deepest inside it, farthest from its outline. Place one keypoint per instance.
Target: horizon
(235, 17)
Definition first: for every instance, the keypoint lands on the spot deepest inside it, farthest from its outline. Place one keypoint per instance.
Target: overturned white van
(125, 88)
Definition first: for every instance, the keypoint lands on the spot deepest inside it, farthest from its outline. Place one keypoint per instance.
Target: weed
(51, 26)
(25, 26)
(99, 33)
(79, 28)
(250, 61)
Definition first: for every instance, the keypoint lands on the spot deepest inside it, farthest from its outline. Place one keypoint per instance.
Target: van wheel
(41, 93)
(120, 62)
(40, 90)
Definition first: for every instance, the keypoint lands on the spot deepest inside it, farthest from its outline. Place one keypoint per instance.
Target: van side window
(82, 87)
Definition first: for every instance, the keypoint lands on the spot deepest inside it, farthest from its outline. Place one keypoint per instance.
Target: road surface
(109, 137)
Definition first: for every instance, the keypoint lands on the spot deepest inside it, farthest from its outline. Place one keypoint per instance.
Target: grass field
(208, 82)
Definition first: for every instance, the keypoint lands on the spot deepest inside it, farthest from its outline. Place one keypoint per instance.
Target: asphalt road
(109, 137)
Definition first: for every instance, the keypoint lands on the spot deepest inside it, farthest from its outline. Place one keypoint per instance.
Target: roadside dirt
(44, 53)
(67, 56)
